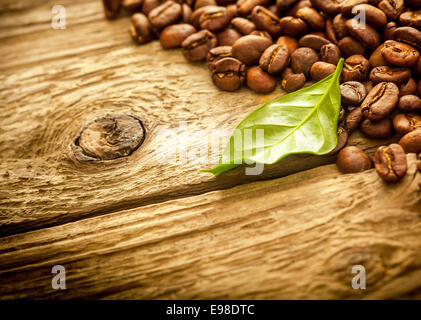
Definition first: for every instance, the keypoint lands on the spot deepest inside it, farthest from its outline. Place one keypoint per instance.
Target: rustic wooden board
(55, 81)
(293, 237)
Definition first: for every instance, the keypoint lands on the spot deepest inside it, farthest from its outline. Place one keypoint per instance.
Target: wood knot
(108, 138)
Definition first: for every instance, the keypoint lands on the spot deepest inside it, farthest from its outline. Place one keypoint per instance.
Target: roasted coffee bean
(312, 41)
(406, 122)
(390, 74)
(167, 13)
(173, 35)
(262, 33)
(330, 7)
(330, 53)
(289, 42)
(352, 93)
(418, 67)
(149, 5)
(297, 6)
(292, 81)
(274, 9)
(376, 58)
(342, 114)
(380, 101)
(246, 6)
(132, 5)
(349, 47)
(228, 74)
(348, 5)
(409, 87)
(195, 17)
(274, 59)
(232, 11)
(373, 16)
(243, 25)
(408, 35)
(204, 3)
(293, 26)
(111, 8)
(141, 29)
(248, 49)
(312, 18)
(356, 68)
(196, 46)
(339, 26)
(390, 162)
(228, 37)
(381, 129)
(353, 119)
(285, 4)
(186, 13)
(352, 159)
(389, 31)
(302, 59)
(411, 142)
(259, 80)
(330, 32)
(400, 54)
(342, 140)
(319, 70)
(363, 32)
(214, 19)
(409, 103)
(266, 20)
(411, 19)
(216, 54)
(392, 8)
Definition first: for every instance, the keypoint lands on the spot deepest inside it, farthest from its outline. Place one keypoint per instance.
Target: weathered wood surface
(292, 237)
(55, 81)
(137, 228)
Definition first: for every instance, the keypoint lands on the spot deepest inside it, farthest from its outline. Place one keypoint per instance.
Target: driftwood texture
(136, 228)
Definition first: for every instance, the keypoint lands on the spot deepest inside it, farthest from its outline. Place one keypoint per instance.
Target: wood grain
(295, 237)
(56, 81)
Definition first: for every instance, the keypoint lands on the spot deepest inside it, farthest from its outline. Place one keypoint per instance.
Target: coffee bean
(248, 49)
(353, 119)
(195, 17)
(392, 8)
(214, 19)
(327, 6)
(418, 67)
(285, 4)
(409, 87)
(376, 58)
(320, 70)
(400, 54)
(246, 6)
(216, 54)
(339, 26)
(141, 29)
(173, 35)
(356, 68)
(259, 80)
(349, 47)
(262, 33)
(390, 162)
(228, 74)
(186, 13)
(149, 5)
(348, 5)
(302, 59)
(406, 122)
(167, 13)
(411, 19)
(297, 6)
(196, 46)
(389, 31)
(293, 26)
(342, 114)
(409, 103)
(363, 32)
(243, 25)
(408, 35)
(330, 53)
(266, 20)
(232, 11)
(312, 41)
(352, 93)
(330, 32)
(289, 42)
(111, 8)
(411, 142)
(390, 74)
(292, 81)
(381, 129)
(352, 159)
(380, 101)
(373, 15)
(311, 17)
(204, 3)
(342, 140)
(274, 59)
(228, 37)
(132, 5)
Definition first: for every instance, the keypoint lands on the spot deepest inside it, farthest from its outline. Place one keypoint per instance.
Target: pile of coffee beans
(295, 42)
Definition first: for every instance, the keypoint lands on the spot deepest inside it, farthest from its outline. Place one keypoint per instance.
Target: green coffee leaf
(304, 121)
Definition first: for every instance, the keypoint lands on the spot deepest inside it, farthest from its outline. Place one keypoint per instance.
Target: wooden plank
(296, 237)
